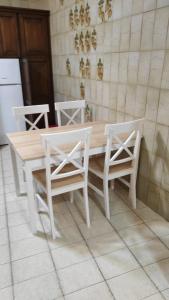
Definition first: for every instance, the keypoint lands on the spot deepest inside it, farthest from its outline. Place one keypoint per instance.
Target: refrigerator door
(10, 95)
(9, 71)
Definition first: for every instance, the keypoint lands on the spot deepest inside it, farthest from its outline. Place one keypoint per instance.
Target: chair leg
(112, 184)
(132, 191)
(52, 222)
(71, 197)
(86, 199)
(106, 199)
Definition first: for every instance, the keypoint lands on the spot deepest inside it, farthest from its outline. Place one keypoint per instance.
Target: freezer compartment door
(9, 96)
(10, 71)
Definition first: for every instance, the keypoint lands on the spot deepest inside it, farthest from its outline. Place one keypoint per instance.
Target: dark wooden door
(9, 38)
(34, 35)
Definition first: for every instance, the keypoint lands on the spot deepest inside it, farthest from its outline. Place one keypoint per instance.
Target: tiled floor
(124, 259)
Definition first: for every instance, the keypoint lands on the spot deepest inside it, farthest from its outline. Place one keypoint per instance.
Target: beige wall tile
(123, 64)
(136, 23)
(114, 75)
(148, 135)
(161, 3)
(163, 108)
(137, 6)
(152, 104)
(147, 30)
(125, 34)
(160, 138)
(127, 8)
(130, 99)
(133, 64)
(116, 35)
(117, 9)
(149, 5)
(144, 67)
(140, 105)
(165, 81)
(157, 60)
(160, 28)
(121, 97)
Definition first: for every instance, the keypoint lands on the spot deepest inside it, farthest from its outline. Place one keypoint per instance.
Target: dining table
(27, 145)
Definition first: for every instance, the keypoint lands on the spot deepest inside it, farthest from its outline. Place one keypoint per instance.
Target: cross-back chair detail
(119, 159)
(66, 166)
(119, 137)
(78, 106)
(22, 112)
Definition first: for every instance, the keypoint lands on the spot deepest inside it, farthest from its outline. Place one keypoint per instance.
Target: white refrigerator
(10, 95)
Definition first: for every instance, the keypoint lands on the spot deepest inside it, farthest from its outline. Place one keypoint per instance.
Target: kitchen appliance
(10, 95)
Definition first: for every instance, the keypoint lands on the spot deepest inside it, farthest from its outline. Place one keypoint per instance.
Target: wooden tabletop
(28, 144)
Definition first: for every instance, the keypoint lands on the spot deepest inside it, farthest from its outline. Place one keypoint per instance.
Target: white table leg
(15, 171)
(32, 207)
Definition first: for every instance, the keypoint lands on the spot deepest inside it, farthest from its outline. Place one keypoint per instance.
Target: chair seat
(96, 166)
(40, 176)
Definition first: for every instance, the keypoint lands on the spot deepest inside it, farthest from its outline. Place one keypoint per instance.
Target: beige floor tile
(147, 214)
(124, 220)
(17, 206)
(23, 231)
(117, 207)
(157, 296)
(166, 294)
(2, 222)
(136, 234)
(4, 254)
(79, 276)
(2, 208)
(6, 294)
(18, 218)
(70, 254)
(32, 266)
(41, 288)
(99, 227)
(28, 247)
(116, 263)
(134, 285)
(68, 235)
(165, 240)
(98, 291)
(159, 273)
(150, 252)
(159, 227)
(62, 221)
(5, 280)
(105, 244)
(4, 237)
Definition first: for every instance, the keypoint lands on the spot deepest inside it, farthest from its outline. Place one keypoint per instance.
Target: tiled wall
(17, 3)
(134, 47)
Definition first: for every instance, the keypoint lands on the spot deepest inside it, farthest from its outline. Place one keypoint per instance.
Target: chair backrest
(21, 112)
(78, 108)
(120, 137)
(74, 152)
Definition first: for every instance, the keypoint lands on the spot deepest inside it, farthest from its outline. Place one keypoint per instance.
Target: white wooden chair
(63, 108)
(120, 162)
(21, 112)
(66, 169)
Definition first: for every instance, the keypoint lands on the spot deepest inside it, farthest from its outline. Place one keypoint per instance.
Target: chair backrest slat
(120, 137)
(59, 155)
(78, 108)
(22, 112)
